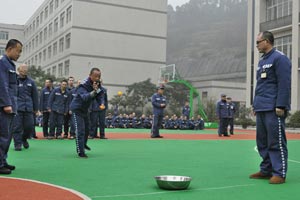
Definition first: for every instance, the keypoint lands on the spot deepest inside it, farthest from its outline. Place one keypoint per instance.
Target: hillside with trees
(208, 37)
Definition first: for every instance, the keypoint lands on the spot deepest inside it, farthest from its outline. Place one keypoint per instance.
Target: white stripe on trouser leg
(281, 148)
(152, 127)
(76, 132)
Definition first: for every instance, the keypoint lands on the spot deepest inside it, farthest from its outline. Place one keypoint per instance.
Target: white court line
(171, 191)
(293, 161)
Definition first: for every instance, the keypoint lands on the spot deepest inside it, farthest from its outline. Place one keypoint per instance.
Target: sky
(19, 11)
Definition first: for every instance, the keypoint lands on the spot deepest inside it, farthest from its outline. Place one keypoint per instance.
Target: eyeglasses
(257, 42)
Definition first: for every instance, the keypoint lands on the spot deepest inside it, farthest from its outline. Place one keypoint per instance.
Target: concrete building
(281, 17)
(10, 31)
(126, 39)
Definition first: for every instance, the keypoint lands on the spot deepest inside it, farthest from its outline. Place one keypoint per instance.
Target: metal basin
(171, 182)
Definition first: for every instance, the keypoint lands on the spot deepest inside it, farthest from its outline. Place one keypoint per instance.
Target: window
(29, 46)
(2, 50)
(56, 4)
(49, 71)
(3, 35)
(41, 17)
(62, 19)
(54, 48)
(55, 25)
(33, 25)
(50, 29)
(54, 70)
(284, 44)
(49, 51)
(37, 21)
(40, 57)
(41, 37)
(44, 54)
(32, 42)
(30, 28)
(68, 40)
(46, 12)
(60, 70)
(278, 8)
(67, 67)
(35, 60)
(45, 33)
(36, 40)
(69, 14)
(51, 7)
(61, 45)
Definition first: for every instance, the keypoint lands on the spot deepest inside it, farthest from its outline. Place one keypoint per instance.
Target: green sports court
(124, 167)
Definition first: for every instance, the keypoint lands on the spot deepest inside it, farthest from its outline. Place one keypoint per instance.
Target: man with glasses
(271, 104)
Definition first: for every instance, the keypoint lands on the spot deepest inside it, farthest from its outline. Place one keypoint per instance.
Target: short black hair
(70, 77)
(267, 35)
(64, 81)
(12, 43)
(94, 69)
(50, 79)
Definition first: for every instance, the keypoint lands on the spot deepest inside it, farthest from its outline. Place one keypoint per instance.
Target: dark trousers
(23, 127)
(271, 143)
(6, 124)
(223, 125)
(157, 121)
(81, 123)
(230, 123)
(97, 119)
(67, 122)
(56, 122)
(46, 116)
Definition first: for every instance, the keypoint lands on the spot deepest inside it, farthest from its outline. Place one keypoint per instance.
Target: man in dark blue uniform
(186, 110)
(27, 109)
(222, 112)
(159, 103)
(97, 115)
(44, 97)
(58, 108)
(271, 104)
(231, 107)
(8, 100)
(67, 118)
(85, 93)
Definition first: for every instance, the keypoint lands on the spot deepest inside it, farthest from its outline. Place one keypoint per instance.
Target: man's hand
(279, 112)
(8, 109)
(253, 112)
(95, 86)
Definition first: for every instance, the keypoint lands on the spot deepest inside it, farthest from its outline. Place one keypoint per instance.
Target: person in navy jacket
(27, 108)
(67, 119)
(186, 110)
(58, 108)
(222, 112)
(159, 103)
(8, 100)
(271, 103)
(85, 94)
(44, 97)
(231, 112)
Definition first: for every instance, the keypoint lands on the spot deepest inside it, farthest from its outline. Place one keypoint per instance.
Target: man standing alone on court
(8, 100)
(271, 104)
(159, 103)
(222, 112)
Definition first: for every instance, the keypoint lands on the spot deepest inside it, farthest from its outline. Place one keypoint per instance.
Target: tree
(39, 76)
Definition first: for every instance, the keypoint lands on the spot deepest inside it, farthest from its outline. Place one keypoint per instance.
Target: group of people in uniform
(225, 111)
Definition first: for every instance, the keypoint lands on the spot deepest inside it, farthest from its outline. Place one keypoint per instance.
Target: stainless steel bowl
(170, 182)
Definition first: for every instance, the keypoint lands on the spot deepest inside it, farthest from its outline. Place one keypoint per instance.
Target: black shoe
(18, 148)
(10, 167)
(25, 144)
(103, 138)
(4, 170)
(156, 136)
(82, 155)
(87, 147)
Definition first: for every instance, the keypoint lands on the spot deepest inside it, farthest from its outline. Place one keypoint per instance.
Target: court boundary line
(81, 195)
(170, 191)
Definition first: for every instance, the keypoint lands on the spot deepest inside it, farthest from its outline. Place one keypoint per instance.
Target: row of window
(63, 69)
(2, 51)
(3, 35)
(284, 44)
(51, 50)
(48, 31)
(278, 8)
(59, 21)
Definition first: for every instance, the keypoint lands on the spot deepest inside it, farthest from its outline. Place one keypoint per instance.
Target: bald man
(27, 98)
